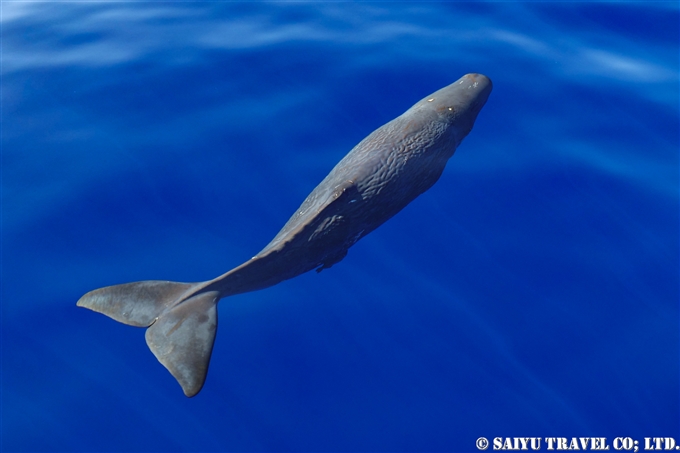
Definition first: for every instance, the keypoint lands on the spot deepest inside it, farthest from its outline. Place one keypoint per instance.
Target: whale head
(459, 104)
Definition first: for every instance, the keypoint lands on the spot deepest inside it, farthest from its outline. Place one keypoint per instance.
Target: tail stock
(182, 321)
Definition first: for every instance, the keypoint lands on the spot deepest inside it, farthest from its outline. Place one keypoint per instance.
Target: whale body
(375, 180)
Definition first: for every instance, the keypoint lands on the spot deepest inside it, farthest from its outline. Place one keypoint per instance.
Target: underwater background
(533, 291)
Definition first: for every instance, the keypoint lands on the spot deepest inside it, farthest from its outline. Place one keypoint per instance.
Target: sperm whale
(375, 180)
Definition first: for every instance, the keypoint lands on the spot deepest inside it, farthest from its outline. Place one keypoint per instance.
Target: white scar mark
(430, 100)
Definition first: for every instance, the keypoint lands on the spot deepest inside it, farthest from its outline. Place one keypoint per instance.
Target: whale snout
(479, 83)
(474, 77)
(459, 103)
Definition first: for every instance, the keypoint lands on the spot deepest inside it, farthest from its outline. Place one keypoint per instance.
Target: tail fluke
(182, 320)
(182, 340)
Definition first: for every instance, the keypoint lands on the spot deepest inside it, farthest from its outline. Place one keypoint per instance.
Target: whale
(373, 182)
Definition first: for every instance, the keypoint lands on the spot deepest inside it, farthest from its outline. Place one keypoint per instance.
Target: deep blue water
(533, 291)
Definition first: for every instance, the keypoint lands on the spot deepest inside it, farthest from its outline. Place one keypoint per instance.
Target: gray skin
(375, 180)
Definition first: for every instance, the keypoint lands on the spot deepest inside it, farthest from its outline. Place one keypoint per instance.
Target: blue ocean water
(533, 291)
